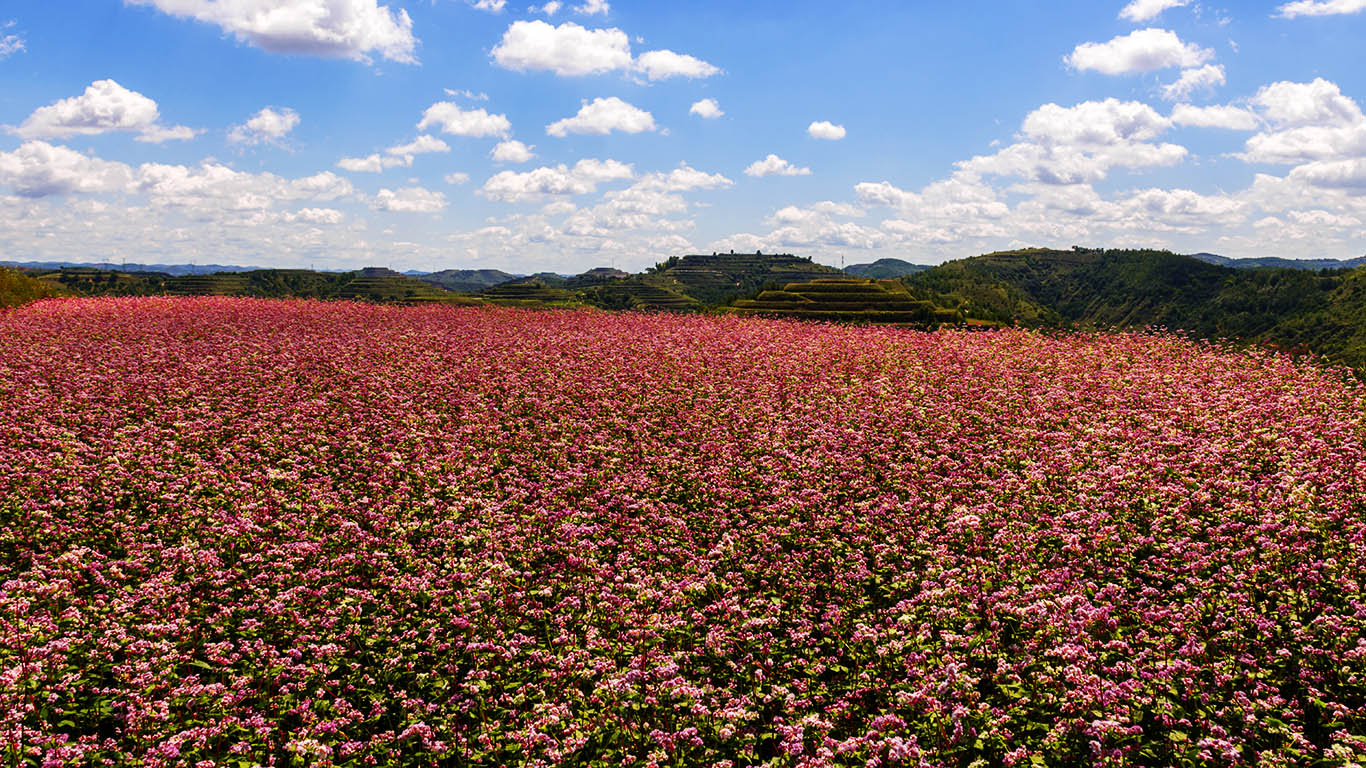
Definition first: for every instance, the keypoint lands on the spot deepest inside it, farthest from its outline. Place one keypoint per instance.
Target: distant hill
(723, 277)
(165, 269)
(466, 280)
(1279, 263)
(885, 269)
(1323, 312)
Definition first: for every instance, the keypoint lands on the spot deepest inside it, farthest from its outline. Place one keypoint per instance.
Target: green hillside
(467, 280)
(18, 288)
(719, 278)
(885, 269)
(847, 300)
(1323, 312)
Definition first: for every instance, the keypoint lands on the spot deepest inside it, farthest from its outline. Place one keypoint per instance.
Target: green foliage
(17, 288)
(1301, 310)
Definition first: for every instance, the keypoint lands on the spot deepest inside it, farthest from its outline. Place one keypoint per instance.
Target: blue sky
(433, 134)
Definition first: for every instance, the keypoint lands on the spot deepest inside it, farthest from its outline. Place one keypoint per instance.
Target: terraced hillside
(529, 293)
(847, 300)
(385, 285)
(719, 278)
(639, 293)
(221, 284)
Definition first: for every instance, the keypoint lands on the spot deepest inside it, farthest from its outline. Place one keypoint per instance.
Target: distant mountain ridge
(1279, 263)
(885, 269)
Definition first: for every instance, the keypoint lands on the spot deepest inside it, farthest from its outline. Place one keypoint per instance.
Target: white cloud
(1143, 50)
(267, 127)
(512, 152)
(105, 107)
(603, 116)
(550, 9)
(422, 145)
(38, 169)
(1205, 78)
(1320, 8)
(567, 49)
(157, 134)
(1095, 123)
(597, 171)
(456, 179)
(409, 200)
(1232, 118)
(1310, 122)
(492, 6)
(707, 109)
(10, 44)
(1320, 102)
(330, 216)
(1081, 144)
(826, 130)
(1349, 174)
(375, 163)
(348, 29)
(560, 181)
(591, 7)
(472, 123)
(661, 65)
(684, 178)
(1146, 10)
(775, 166)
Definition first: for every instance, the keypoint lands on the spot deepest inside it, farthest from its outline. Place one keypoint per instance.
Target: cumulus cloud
(1205, 78)
(375, 163)
(1146, 10)
(549, 9)
(38, 169)
(1232, 118)
(558, 181)
(602, 116)
(707, 109)
(775, 166)
(684, 178)
(105, 107)
(1349, 174)
(1320, 8)
(591, 7)
(1320, 102)
(492, 6)
(826, 130)
(330, 216)
(567, 49)
(471, 123)
(408, 200)
(457, 178)
(1143, 50)
(571, 50)
(1082, 143)
(664, 64)
(348, 29)
(1308, 122)
(512, 152)
(269, 126)
(422, 145)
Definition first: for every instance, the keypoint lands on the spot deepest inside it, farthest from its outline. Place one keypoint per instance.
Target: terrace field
(244, 532)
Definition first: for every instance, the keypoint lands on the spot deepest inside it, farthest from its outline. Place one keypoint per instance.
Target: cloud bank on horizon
(563, 136)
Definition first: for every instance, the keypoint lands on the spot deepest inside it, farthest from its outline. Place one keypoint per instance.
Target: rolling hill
(1319, 311)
